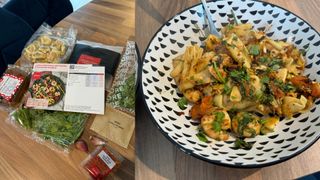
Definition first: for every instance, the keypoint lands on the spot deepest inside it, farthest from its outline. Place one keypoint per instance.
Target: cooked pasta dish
(242, 83)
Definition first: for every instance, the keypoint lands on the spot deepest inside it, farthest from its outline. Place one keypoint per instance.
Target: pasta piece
(218, 100)
(235, 95)
(45, 40)
(255, 82)
(279, 45)
(211, 41)
(178, 66)
(292, 105)
(243, 31)
(282, 74)
(269, 124)
(238, 50)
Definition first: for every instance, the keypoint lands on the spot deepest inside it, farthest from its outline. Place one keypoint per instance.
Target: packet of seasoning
(13, 85)
(101, 162)
(86, 52)
(114, 125)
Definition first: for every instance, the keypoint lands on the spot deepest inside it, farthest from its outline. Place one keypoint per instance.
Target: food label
(86, 59)
(107, 159)
(39, 103)
(9, 84)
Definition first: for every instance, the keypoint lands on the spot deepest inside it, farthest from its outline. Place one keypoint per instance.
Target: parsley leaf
(240, 75)
(226, 89)
(182, 103)
(215, 67)
(304, 51)
(230, 26)
(241, 144)
(216, 125)
(263, 60)
(262, 121)
(265, 80)
(219, 116)
(202, 137)
(254, 50)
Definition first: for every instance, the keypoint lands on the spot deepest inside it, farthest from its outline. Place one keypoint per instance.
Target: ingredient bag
(57, 130)
(49, 45)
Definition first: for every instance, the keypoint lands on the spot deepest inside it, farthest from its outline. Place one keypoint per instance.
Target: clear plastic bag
(121, 96)
(49, 45)
(13, 86)
(57, 130)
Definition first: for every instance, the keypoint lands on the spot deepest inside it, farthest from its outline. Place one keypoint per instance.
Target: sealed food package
(49, 45)
(13, 85)
(114, 125)
(101, 162)
(87, 52)
(58, 130)
(122, 93)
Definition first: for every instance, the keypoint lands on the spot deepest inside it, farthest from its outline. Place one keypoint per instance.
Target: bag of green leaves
(121, 96)
(58, 130)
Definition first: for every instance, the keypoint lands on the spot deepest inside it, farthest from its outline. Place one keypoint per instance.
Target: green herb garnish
(254, 50)
(182, 103)
(246, 119)
(263, 60)
(230, 27)
(241, 144)
(285, 87)
(216, 125)
(265, 98)
(240, 75)
(265, 80)
(221, 79)
(262, 121)
(304, 51)
(202, 137)
(226, 89)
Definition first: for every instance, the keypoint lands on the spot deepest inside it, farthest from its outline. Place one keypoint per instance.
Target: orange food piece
(315, 90)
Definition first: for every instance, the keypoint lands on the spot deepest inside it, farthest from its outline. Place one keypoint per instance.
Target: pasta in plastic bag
(49, 45)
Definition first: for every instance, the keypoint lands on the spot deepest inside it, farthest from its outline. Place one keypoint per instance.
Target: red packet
(100, 163)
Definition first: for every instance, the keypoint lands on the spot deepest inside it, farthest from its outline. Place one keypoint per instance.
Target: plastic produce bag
(122, 93)
(49, 45)
(57, 130)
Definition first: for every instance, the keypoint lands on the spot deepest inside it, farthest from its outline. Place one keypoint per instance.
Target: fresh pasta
(243, 82)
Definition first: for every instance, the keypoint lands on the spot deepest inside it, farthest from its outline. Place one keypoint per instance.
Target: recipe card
(67, 87)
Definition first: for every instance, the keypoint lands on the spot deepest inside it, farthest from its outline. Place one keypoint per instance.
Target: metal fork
(213, 29)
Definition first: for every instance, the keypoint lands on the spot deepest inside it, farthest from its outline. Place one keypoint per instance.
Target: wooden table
(105, 21)
(157, 158)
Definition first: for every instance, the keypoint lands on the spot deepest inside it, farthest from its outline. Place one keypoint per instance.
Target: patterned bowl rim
(189, 152)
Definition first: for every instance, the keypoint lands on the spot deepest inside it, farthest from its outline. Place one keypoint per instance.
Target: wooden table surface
(106, 21)
(157, 158)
